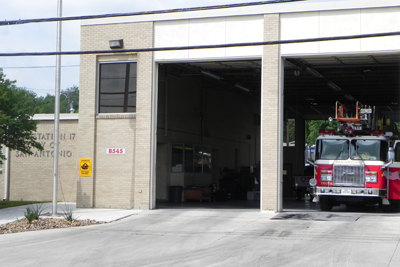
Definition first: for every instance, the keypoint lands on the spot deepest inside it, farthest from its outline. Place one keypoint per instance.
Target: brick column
(142, 166)
(86, 129)
(271, 143)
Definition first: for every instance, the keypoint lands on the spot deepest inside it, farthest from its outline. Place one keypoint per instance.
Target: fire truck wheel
(386, 208)
(393, 207)
(325, 203)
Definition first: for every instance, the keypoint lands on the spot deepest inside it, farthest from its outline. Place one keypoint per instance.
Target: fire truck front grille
(348, 175)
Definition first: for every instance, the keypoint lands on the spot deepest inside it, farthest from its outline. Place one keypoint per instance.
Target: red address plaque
(115, 151)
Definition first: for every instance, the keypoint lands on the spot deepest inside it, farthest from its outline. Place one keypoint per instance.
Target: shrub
(33, 212)
(69, 214)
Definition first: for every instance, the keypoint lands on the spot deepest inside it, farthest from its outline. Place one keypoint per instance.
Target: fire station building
(181, 100)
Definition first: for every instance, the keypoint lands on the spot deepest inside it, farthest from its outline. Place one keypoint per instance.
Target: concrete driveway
(182, 237)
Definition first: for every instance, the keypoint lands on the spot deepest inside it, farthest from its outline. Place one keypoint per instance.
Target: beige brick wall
(114, 173)
(110, 186)
(270, 116)
(31, 176)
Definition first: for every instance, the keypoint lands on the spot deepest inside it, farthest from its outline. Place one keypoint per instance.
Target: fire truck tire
(393, 207)
(325, 203)
(386, 208)
(395, 203)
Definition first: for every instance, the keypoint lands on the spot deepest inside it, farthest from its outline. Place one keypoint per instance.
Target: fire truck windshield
(332, 149)
(360, 149)
(369, 149)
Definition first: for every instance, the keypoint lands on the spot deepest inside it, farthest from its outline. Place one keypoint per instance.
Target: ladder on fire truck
(363, 121)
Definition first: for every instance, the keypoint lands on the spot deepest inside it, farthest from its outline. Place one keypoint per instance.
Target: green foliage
(69, 214)
(68, 97)
(397, 127)
(313, 126)
(290, 125)
(45, 104)
(71, 95)
(17, 107)
(33, 212)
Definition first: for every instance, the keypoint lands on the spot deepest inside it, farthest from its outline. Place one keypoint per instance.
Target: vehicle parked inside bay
(356, 165)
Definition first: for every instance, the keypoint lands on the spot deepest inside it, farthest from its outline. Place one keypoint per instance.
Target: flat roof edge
(50, 117)
(259, 8)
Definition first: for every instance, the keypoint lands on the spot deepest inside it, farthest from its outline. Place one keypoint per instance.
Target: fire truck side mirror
(311, 163)
(391, 154)
(387, 164)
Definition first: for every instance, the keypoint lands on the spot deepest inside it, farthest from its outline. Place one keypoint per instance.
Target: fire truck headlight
(371, 177)
(313, 182)
(326, 175)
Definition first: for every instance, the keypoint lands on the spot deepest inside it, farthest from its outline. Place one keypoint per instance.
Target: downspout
(153, 141)
(6, 167)
(280, 133)
(166, 109)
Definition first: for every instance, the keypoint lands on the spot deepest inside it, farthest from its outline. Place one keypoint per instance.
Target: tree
(17, 107)
(313, 127)
(68, 96)
(290, 124)
(45, 104)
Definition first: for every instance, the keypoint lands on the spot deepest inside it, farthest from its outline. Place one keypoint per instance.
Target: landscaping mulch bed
(42, 224)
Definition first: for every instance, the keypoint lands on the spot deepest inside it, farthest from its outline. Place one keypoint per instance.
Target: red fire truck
(357, 165)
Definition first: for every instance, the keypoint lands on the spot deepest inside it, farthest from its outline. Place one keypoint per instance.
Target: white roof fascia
(275, 8)
(50, 117)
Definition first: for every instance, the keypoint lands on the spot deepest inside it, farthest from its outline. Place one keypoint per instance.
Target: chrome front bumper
(348, 191)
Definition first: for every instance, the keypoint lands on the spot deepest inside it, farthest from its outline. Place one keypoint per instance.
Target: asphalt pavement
(200, 236)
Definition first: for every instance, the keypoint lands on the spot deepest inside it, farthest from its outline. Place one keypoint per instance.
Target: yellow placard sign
(85, 167)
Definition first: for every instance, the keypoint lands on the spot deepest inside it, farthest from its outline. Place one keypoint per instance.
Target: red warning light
(325, 131)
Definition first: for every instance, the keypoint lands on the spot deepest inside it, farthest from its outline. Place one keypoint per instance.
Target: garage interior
(213, 108)
(208, 132)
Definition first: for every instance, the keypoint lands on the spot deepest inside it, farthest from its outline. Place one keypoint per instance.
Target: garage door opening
(313, 84)
(208, 134)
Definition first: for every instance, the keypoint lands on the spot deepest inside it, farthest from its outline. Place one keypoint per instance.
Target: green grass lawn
(9, 204)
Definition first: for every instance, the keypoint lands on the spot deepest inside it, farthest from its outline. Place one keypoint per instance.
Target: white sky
(38, 73)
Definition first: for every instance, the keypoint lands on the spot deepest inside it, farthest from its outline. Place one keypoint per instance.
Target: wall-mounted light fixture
(241, 87)
(334, 86)
(116, 43)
